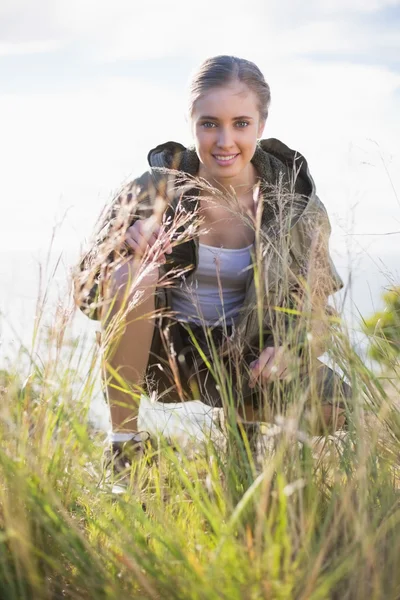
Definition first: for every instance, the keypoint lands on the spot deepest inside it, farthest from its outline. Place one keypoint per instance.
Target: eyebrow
(216, 118)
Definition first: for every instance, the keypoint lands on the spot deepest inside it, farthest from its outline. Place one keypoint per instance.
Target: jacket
(292, 238)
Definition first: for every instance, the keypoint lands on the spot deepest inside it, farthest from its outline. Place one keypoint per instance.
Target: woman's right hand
(146, 236)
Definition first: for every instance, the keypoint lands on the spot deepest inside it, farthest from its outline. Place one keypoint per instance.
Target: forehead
(226, 102)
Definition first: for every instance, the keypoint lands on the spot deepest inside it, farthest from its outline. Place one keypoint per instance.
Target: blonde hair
(220, 71)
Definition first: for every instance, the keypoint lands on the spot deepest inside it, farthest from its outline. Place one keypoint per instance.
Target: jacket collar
(269, 158)
(273, 160)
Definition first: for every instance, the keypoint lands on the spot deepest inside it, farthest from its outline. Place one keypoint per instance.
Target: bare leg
(332, 418)
(247, 413)
(127, 349)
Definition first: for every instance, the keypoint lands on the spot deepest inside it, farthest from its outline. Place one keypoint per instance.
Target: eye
(211, 125)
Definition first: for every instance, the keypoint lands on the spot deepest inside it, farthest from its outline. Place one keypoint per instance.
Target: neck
(242, 183)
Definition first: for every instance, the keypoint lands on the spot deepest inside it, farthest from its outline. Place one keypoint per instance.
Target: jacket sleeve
(138, 199)
(316, 279)
(305, 286)
(310, 250)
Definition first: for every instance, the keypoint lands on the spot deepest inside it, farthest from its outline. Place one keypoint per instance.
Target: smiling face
(225, 125)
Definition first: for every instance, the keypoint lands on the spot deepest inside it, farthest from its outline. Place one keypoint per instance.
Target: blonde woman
(218, 247)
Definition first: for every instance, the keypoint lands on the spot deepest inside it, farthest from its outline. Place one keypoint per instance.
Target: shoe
(120, 457)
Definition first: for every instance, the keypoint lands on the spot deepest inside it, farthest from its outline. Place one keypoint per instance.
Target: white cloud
(78, 146)
(340, 39)
(25, 21)
(75, 149)
(160, 29)
(133, 30)
(34, 47)
(72, 149)
(352, 6)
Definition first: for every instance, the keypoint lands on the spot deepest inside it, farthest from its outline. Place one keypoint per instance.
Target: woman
(226, 243)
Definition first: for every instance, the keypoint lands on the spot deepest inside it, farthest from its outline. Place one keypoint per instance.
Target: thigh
(177, 370)
(166, 374)
(199, 360)
(220, 371)
(198, 354)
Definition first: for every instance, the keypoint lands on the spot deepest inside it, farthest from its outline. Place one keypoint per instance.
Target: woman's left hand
(271, 365)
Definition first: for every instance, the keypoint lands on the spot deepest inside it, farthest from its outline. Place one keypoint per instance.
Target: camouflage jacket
(292, 236)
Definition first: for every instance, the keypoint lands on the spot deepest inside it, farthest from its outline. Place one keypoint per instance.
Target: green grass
(316, 518)
(319, 519)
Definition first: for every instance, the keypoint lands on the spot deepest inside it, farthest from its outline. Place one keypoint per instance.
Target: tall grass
(309, 518)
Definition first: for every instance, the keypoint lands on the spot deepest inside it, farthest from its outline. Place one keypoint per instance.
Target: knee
(128, 278)
(127, 282)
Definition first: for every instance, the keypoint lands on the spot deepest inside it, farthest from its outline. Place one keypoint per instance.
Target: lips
(225, 159)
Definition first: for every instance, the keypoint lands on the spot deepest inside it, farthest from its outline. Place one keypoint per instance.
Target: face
(225, 125)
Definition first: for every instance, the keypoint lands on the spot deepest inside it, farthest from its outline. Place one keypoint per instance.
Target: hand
(271, 365)
(146, 235)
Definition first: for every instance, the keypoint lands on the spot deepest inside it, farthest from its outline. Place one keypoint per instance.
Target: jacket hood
(268, 159)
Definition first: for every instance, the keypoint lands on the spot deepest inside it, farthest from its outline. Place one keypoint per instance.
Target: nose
(225, 140)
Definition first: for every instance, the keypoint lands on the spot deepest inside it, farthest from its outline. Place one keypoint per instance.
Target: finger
(270, 373)
(141, 246)
(131, 243)
(162, 236)
(141, 241)
(168, 247)
(149, 241)
(152, 240)
(147, 232)
(263, 360)
(283, 373)
(156, 252)
(149, 228)
(136, 242)
(154, 235)
(157, 248)
(273, 368)
(258, 365)
(279, 369)
(279, 374)
(157, 255)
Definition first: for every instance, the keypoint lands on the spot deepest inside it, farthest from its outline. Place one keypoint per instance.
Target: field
(301, 516)
(313, 518)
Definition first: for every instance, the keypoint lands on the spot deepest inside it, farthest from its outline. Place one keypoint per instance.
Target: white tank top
(220, 272)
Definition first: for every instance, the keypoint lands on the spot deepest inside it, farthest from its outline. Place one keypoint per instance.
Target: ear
(261, 128)
(190, 125)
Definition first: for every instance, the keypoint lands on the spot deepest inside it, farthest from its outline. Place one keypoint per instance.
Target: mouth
(225, 159)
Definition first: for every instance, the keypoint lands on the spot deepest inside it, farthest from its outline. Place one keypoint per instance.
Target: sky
(88, 87)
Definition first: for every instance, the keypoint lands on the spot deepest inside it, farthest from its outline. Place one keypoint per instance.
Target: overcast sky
(88, 87)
